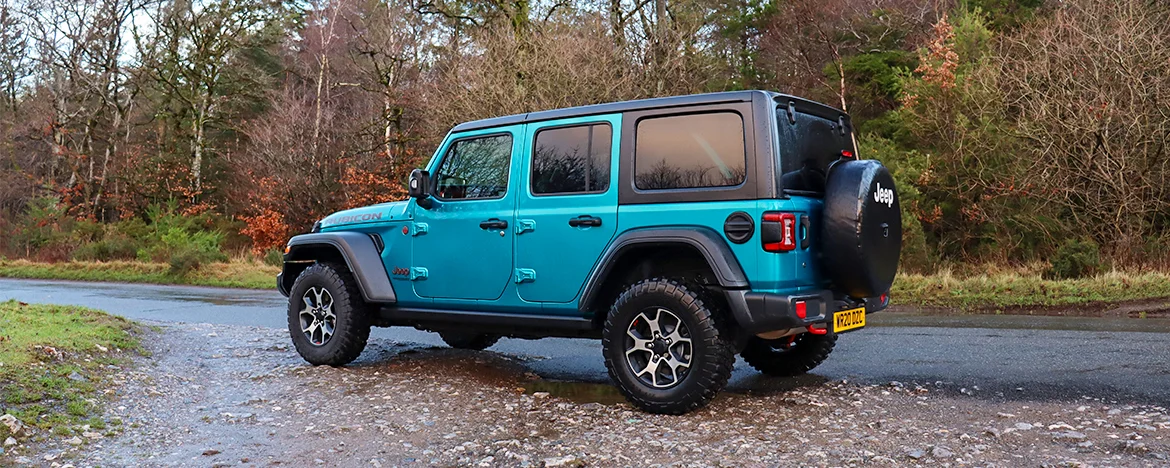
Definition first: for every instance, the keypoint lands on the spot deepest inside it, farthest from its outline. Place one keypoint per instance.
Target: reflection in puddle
(579, 392)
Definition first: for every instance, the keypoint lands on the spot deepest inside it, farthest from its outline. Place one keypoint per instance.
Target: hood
(380, 213)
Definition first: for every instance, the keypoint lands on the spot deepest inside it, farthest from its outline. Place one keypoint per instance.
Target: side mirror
(420, 187)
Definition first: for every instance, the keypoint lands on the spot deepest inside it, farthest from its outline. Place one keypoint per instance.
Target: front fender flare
(361, 255)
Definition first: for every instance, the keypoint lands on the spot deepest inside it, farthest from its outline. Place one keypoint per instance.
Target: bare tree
(14, 61)
(1089, 86)
(190, 55)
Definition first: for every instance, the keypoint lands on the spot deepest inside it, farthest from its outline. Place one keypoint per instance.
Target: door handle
(493, 224)
(585, 220)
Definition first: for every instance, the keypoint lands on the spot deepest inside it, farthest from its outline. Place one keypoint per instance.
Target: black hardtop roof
(640, 104)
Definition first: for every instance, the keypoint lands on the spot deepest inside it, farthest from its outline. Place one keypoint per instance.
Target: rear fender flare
(706, 241)
(361, 255)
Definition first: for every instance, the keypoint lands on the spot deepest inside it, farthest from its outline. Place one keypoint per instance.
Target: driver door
(465, 244)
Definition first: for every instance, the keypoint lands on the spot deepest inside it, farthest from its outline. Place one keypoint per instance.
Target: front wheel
(789, 356)
(327, 318)
(663, 347)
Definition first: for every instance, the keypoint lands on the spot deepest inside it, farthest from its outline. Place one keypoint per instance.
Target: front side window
(571, 160)
(475, 168)
(690, 151)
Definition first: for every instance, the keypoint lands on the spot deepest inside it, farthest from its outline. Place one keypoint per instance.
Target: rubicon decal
(885, 196)
(357, 218)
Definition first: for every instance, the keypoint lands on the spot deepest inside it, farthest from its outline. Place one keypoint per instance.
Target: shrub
(267, 230)
(906, 166)
(274, 257)
(202, 246)
(185, 261)
(111, 247)
(182, 241)
(1075, 259)
(43, 231)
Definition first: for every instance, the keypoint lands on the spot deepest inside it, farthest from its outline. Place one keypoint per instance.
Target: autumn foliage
(1013, 128)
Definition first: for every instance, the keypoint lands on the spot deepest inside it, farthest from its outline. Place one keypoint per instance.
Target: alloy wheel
(318, 321)
(658, 348)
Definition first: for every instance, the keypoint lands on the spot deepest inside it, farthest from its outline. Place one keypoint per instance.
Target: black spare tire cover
(862, 234)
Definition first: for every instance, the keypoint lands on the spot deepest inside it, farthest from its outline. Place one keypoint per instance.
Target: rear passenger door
(567, 212)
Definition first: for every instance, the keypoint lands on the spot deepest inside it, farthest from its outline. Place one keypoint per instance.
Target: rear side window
(475, 168)
(690, 151)
(571, 160)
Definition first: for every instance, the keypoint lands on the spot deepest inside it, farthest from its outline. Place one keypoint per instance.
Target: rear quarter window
(690, 151)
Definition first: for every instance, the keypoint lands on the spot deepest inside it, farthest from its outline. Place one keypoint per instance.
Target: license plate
(846, 320)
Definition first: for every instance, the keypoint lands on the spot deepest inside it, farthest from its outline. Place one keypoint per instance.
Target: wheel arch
(693, 248)
(357, 251)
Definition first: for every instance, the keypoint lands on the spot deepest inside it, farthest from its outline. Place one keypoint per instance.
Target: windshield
(807, 147)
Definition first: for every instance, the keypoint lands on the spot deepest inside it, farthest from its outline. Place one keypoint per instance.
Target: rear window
(807, 147)
(690, 151)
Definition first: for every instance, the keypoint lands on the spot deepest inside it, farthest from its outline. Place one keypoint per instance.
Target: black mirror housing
(419, 187)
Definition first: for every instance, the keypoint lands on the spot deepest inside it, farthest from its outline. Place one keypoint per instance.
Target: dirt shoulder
(226, 396)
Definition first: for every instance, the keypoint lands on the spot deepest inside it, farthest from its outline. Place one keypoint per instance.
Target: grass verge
(234, 274)
(1022, 289)
(56, 360)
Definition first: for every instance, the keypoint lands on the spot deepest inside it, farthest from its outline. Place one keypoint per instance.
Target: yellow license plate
(846, 320)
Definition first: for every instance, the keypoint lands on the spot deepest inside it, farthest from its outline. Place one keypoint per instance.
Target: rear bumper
(764, 312)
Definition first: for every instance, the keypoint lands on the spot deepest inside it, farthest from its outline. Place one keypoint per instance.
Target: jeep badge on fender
(500, 240)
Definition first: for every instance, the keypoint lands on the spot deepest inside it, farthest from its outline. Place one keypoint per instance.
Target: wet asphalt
(985, 356)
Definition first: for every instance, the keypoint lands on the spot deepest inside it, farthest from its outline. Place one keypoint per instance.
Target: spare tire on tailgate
(862, 234)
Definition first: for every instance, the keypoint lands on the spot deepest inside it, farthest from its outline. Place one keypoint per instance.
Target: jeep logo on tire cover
(885, 196)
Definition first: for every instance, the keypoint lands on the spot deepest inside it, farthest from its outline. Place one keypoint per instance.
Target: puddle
(578, 392)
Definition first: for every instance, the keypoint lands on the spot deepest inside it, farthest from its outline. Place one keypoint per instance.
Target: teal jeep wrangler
(680, 231)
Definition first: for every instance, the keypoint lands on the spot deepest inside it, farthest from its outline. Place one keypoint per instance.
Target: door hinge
(525, 225)
(417, 229)
(525, 275)
(418, 273)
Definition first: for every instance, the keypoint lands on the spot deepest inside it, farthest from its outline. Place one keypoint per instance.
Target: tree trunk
(387, 136)
(197, 150)
(617, 23)
(323, 65)
(660, 43)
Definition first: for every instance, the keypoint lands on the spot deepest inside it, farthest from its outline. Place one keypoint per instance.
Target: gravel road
(977, 392)
(227, 396)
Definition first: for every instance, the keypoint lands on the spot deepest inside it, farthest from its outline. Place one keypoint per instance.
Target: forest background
(1025, 136)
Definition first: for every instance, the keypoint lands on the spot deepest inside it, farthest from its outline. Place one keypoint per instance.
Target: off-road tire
(473, 341)
(804, 354)
(712, 354)
(352, 328)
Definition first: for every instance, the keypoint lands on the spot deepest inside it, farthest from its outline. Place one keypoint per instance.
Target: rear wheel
(464, 340)
(789, 356)
(663, 348)
(327, 318)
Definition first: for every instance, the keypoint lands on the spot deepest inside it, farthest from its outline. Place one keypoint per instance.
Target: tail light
(778, 232)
